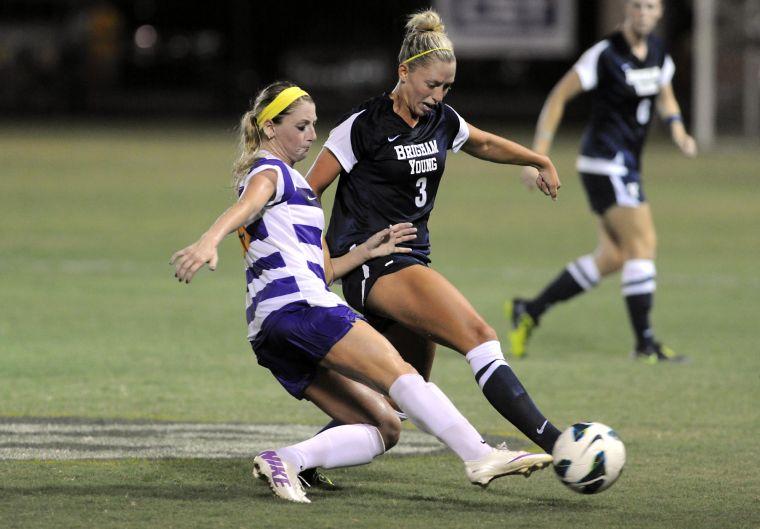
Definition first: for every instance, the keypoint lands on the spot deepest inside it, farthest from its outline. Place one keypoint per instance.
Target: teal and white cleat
(281, 476)
(504, 462)
(521, 326)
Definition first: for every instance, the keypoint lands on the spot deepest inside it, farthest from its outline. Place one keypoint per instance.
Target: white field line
(82, 439)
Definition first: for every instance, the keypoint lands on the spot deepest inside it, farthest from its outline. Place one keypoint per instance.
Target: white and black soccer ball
(588, 457)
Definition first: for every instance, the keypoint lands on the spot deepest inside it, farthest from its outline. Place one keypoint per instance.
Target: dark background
(102, 59)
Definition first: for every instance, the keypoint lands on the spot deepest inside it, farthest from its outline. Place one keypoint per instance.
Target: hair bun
(424, 21)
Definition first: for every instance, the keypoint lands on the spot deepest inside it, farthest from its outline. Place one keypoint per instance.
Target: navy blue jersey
(623, 91)
(390, 171)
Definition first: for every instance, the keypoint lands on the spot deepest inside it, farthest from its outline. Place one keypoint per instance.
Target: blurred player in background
(628, 74)
(390, 154)
(310, 340)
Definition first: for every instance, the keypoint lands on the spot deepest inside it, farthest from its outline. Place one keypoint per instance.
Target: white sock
(584, 271)
(484, 360)
(341, 446)
(638, 277)
(432, 412)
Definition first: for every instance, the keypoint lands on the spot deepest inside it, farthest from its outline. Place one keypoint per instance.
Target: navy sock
(639, 307)
(508, 396)
(332, 424)
(562, 288)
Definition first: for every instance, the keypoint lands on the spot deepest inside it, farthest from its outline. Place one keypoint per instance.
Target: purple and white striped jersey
(283, 256)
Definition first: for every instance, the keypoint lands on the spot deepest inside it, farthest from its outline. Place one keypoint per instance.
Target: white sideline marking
(60, 439)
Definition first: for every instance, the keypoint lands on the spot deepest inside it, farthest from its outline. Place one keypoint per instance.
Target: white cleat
(281, 476)
(504, 462)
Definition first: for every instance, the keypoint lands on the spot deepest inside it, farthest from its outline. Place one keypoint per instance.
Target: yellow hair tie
(425, 53)
(283, 100)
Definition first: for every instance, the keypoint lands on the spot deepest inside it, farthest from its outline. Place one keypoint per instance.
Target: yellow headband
(283, 100)
(425, 53)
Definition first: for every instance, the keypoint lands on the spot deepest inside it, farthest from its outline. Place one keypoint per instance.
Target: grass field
(92, 325)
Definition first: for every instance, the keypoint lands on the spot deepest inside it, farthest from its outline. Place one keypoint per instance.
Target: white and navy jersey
(390, 171)
(283, 256)
(623, 91)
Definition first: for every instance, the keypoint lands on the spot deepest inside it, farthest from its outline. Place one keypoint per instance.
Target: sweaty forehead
(304, 110)
(440, 71)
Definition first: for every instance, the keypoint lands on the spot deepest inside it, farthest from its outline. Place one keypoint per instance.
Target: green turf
(93, 325)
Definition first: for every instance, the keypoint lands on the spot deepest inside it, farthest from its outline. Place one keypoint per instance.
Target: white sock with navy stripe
(507, 395)
(638, 287)
(484, 359)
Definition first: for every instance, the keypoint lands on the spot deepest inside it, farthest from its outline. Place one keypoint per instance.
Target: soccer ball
(588, 457)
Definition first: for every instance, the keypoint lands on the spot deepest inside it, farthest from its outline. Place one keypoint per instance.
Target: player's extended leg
(633, 229)
(423, 300)
(416, 350)
(366, 426)
(577, 277)
(365, 355)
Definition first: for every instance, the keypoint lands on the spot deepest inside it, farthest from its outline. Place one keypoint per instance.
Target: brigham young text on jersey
(390, 172)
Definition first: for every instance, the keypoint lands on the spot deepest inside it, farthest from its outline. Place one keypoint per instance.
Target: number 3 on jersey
(421, 198)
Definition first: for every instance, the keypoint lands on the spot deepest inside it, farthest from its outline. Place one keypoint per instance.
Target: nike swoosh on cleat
(541, 430)
(389, 262)
(393, 138)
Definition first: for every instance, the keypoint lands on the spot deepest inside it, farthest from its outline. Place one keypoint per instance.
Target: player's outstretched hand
(528, 177)
(687, 144)
(190, 259)
(385, 241)
(548, 180)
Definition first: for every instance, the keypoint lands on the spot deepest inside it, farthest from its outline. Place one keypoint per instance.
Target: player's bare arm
(325, 170)
(549, 119)
(493, 148)
(203, 251)
(670, 112)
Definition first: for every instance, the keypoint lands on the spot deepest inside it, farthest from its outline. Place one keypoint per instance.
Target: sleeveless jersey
(283, 255)
(390, 171)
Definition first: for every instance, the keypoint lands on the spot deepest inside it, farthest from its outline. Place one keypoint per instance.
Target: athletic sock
(578, 276)
(432, 412)
(638, 286)
(340, 446)
(332, 424)
(508, 396)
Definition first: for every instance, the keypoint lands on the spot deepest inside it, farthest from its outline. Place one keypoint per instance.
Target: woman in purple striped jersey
(310, 340)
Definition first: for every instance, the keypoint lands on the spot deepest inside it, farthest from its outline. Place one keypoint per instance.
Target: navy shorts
(604, 191)
(358, 282)
(294, 340)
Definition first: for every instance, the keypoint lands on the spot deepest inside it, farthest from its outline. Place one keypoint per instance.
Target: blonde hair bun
(424, 21)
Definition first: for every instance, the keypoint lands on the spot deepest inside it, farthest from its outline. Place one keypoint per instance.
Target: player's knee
(610, 261)
(638, 248)
(389, 426)
(482, 332)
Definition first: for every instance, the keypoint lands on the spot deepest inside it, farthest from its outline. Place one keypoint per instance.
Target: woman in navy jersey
(313, 343)
(629, 76)
(389, 155)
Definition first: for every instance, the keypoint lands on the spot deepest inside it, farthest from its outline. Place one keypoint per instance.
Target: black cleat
(312, 477)
(656, 353)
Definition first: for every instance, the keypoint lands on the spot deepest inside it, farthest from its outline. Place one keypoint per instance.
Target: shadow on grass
(362, 496)
(432, 485)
